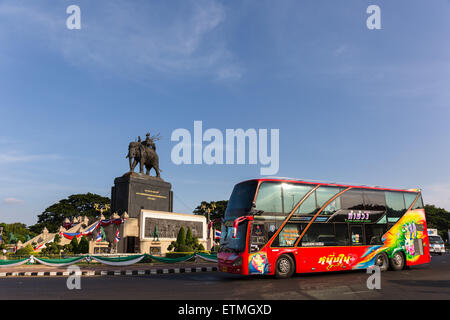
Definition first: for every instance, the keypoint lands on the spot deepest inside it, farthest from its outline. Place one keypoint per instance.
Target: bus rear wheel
(382, 261)
(397, 261)
(285, 267)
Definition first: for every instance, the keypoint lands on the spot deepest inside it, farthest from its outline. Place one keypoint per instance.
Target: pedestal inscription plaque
(134, 191)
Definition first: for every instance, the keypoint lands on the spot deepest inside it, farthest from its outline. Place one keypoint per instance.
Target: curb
(110, 273)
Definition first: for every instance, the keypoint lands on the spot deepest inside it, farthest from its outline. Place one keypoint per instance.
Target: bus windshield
(435, 239)
(241, 200)
(230, 244)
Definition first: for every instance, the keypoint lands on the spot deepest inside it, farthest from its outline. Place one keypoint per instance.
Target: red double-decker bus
(282, 226)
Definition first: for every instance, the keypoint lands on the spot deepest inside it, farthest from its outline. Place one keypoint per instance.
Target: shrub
(173, 255)
(83, 246)
(74, 245)
(181, 238)
(25, 251)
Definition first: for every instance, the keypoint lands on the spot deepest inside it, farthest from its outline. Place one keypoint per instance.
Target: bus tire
(397, 261)
(284, 267)
(382, 261)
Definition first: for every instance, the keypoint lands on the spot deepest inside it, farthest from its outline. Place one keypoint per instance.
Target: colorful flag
(117, 239)
(217, 234)
(99, 237)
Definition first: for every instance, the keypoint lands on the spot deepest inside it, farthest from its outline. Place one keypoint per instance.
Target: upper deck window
(409, 198)
(269, 197)
(419, 203)
(395, 205)
(352, 200)
(292, 194)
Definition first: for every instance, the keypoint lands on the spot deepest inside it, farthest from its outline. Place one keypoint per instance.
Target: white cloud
(12, 201)
(13, 157)
(135, 39)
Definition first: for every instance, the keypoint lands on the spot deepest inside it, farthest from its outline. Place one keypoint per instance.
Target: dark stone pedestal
(134, 191)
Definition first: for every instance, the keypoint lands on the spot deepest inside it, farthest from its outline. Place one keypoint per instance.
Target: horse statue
(144, 153)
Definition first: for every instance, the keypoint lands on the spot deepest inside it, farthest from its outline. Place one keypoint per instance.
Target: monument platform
(135, 191)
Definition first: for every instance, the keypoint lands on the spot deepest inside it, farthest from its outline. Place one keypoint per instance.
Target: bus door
(358, 243)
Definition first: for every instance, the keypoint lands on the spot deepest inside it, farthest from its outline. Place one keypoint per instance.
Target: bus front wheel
(285, 266)
(397, 261)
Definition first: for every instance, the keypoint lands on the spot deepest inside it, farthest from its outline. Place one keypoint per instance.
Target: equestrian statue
(144, 153)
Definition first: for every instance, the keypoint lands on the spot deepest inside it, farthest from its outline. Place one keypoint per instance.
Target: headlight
(237, 262)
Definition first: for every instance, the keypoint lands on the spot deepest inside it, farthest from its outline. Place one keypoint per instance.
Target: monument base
(135, 191)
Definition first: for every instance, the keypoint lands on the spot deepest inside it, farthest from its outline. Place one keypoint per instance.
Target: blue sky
(352, 105)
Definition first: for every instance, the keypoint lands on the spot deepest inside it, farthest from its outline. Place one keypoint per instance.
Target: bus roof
(315, 182)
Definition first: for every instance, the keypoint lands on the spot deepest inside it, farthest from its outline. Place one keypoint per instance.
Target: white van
(436, 244)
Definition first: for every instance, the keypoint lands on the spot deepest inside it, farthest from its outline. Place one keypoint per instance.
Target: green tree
(216, 214)
(438, 218)
(74, 205)
(181, 237)
(189, 238)
(51, 248)
(181, 245)
(83, 246)
(25, 251)
(73, 245)
(19, 230)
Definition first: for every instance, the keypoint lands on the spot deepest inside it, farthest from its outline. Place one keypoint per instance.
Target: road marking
(357, 292)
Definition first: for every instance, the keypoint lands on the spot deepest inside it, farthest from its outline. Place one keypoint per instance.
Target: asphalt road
(430, 281)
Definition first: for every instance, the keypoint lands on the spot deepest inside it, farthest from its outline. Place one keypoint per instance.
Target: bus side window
(419, 203)
(324, 194)
(309, 205)
(319, 234)
(332, 207)
(395, 204)
(352, 200)
(292, 194)
(341, 231)
(374, 200)
(374, 232)
(409, 198)
(356, 234)
(269, 198)
(289, 235)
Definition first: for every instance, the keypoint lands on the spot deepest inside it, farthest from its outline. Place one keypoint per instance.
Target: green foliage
(25, 251)
(83, 246)
(18, 230)
(185, 243)
(181, 237)
(73, 245)
(217, 213)
(51, 248)
(438, 218)
(74, 205)
(189, 238)
(57, 239)
(178, 254)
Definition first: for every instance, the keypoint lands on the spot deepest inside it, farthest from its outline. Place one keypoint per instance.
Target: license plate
(224, 269)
